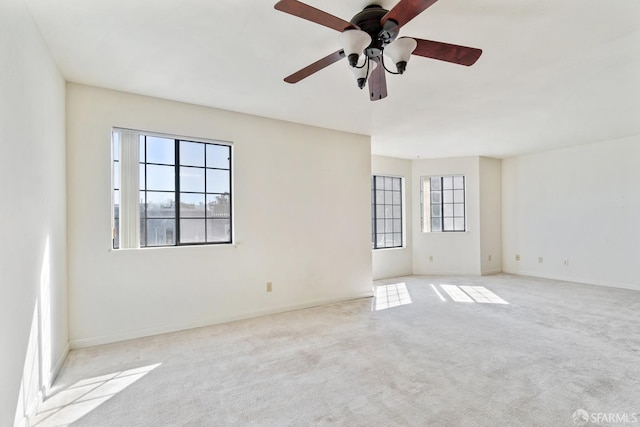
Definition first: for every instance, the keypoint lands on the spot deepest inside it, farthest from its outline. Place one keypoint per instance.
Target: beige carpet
(492, 351)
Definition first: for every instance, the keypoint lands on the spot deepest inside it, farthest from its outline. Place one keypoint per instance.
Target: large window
(443, 203)
(170, 191)
(386, 212)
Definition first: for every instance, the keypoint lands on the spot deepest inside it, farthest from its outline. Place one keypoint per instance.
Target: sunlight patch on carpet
(483, 295)
(76, 401)
(472, 294)
(389, 296)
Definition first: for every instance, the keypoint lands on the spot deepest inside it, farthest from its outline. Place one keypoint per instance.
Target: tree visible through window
(443, 203)
(386, 212)
(183, 193)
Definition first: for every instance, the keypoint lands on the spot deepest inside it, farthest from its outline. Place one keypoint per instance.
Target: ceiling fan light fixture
(400, 51)
(354, 42)
(361, 73)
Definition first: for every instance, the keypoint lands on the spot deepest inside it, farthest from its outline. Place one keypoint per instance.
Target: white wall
(580, 204)
(302, 206)
(490, 215)
(397, 261)
(33, 319)
(453, 253)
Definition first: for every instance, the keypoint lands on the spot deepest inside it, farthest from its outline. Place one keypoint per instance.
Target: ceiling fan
(368, 35)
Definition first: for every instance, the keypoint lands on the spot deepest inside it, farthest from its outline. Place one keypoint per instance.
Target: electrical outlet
(540, 260)
(517, 257)
(566, 262)
(430, 258)
(269, 287)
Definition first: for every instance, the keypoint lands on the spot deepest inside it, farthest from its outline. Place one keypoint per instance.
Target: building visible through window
(386, 212)
(443, 203)
(170, 191)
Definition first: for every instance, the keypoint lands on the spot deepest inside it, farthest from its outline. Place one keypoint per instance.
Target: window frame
(426, 209)
(176, 165)
(393, 218)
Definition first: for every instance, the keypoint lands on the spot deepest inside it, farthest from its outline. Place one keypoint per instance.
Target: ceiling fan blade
(406, 10)
(447, 52)
(315, 67)
(312, 14)
(378, 83)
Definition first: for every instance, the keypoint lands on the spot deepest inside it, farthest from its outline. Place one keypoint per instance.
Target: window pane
(436, 210)
(388, 197)
(380, 212)
(447, 182)
(396, 184)
(218, 156)
(458, 210)
(191, 153)
(388, 183)
(142, 178)
(380, 226)
(397, 239)
(397, 198)
(380, 240)
(218, 181)
(218, 230)
(397, 226)
(161, 232)
(116, 204)
(397, 211)
(448, 224)
(116, 145)
(218, 206)
(116, 239)
(435, 197)
(192, 205)
(192, 231)
(143, 198)
(458, 224)
(161, 178)
(161, 150)
(192, 179)
(458, 196)
(388, 225)
(447, 196)
(436, 224)
(143, 232)
(141, 149)
(388, 211)
(116, 174)
(435, 183)
(448, 210)
(458, 182)
(379, 196)
(161, 204)
(379, 182)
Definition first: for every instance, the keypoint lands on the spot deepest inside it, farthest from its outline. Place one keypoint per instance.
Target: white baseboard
(491, 272)
(447, 273)
(145, 332)
(55, 370)
(567, 278)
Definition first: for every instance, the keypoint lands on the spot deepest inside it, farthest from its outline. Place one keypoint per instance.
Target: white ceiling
(553, 73)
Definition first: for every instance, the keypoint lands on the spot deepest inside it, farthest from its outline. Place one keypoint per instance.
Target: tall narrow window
(443, 203)
(386, 212)
(170, 191)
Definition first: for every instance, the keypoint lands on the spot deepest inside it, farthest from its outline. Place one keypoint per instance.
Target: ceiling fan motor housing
(381, 35)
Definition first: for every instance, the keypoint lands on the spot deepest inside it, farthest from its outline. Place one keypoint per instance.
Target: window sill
(389, 249)
(158, 248)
